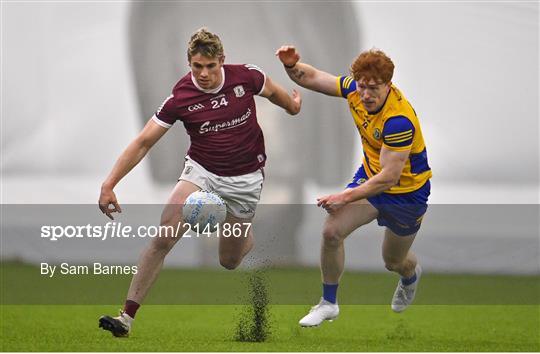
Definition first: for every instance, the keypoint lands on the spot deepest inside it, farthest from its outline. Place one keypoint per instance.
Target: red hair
(373, 64)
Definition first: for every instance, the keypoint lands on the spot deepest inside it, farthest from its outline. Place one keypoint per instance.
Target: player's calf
(400, 267)
(162, 245)
(232, 250)
(230, 262)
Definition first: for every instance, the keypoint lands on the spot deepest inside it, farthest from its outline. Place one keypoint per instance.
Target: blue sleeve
(346, 85)
(398, 133)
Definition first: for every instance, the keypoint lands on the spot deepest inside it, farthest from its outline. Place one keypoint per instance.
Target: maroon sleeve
(257, 76)
(165, 115)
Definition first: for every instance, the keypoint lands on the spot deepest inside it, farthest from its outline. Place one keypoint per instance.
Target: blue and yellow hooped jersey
(396, 127)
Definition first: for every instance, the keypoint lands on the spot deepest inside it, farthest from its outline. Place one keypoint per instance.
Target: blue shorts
(401, 213)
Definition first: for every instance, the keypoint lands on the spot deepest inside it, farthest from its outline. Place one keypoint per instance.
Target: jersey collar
(214, 90)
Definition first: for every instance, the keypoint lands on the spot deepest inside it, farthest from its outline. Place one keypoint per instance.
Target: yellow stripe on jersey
(396, 138)
(398, 134)
(347, 82)
(345, 85)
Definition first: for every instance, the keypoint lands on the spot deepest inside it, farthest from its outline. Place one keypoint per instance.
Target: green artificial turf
(211, 328)
(199, 310)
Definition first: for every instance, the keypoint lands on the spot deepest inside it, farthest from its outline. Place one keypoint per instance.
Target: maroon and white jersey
(222, 123)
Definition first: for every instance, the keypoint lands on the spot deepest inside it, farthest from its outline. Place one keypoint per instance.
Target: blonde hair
(205, 43)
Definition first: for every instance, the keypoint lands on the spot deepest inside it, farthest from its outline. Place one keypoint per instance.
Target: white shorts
(241, 193)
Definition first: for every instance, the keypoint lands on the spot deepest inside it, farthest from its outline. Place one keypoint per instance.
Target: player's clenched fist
(296, 103)
(288, 55)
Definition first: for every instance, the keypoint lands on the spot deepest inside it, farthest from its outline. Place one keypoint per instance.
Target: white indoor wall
(69, 106)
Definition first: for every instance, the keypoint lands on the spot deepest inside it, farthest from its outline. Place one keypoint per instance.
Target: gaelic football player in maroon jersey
(215, 103)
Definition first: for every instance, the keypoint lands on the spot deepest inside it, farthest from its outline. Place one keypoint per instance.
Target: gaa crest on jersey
(195, 107)
(377, 134)
(239, 91)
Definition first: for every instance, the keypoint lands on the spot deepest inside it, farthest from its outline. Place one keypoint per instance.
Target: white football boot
(323, 311)
(404, 294)
(119, 326)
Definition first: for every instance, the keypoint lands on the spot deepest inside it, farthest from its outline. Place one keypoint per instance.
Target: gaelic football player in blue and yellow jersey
(392, 184)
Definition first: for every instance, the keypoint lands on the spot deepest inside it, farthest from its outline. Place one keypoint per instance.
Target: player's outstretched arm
(278, 96)
(306, 75)
(133, 154)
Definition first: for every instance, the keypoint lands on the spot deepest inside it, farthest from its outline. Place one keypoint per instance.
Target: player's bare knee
(168, 217)
(331, 236)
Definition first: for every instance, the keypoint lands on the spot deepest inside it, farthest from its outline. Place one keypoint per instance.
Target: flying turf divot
(253, 324)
